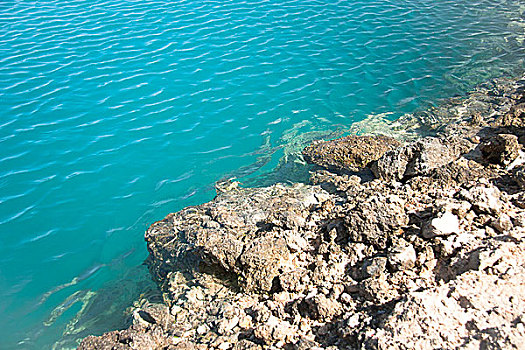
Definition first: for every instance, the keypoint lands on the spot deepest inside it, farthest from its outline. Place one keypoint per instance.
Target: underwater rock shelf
(414, 242)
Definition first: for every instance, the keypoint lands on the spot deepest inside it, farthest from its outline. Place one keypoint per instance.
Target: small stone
(283, 331)
(519, 176)
(224, 346)
(324, 308)
(346, 298)
(374, 267)
(402, 257)
(489, 231)
(337, 289)
(246, 345)
(445, 224)
(226, 325)
(353, 321)
(202, 329)
(503, 223)
(306, 344)
(245, 322)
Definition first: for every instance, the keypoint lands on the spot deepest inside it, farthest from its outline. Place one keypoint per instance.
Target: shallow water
(114, 113)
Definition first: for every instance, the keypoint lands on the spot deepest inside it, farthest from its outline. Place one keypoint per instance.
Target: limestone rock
(402, 257)
(435, 259)
(416, 158)
(444, 224)
(519, 176)
(501, 149)
(373, 267)
(484, 198)
(476, 310)
(350, 153)
(324, 308)
(374, 220)
(237, 232)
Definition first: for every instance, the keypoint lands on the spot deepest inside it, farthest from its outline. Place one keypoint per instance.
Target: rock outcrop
(429, 255)
(351, 153)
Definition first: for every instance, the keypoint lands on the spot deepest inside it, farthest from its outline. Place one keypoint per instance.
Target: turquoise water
(114, 113)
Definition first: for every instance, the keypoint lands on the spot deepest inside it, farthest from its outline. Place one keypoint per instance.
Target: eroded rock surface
(350, 153)
(429, 255)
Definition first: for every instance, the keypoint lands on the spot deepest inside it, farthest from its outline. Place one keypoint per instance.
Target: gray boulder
(416, 158)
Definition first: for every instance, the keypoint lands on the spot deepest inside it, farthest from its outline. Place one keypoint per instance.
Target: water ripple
(114, 113)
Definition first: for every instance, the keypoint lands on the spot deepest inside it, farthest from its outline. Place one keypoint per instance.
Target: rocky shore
(397, 243)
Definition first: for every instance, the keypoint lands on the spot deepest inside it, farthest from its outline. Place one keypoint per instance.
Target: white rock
(503, 223)
(202, 329)
(443, 225)
(402, 257)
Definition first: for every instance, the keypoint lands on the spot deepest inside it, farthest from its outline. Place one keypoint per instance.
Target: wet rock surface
(428, 255)
(350, 153)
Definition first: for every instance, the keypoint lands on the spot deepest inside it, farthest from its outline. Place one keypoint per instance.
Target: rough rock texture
(350, 153)
(429, 255)
(416, 158)
(239, 232)
(519, 176)
(501, 149)
(481, 309)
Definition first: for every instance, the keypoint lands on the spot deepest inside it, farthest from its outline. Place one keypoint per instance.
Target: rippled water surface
(114, 113)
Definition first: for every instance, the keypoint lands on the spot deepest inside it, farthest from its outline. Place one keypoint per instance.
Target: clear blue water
(114, 113)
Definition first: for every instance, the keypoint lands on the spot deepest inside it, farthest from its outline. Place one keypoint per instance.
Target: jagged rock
(374, 220)
(444, 224)
(484, 199)
(274, 330)
(402, 256)
(501, 149)
(238, 232)
(373, 267)
(476, 310)
(519, 176)
(350, 153)
(378, 290)
(324, 308)
(416, 158)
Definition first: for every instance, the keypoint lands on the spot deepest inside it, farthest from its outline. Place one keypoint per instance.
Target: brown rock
(350, 153)
(324, 308)
(501, 149)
